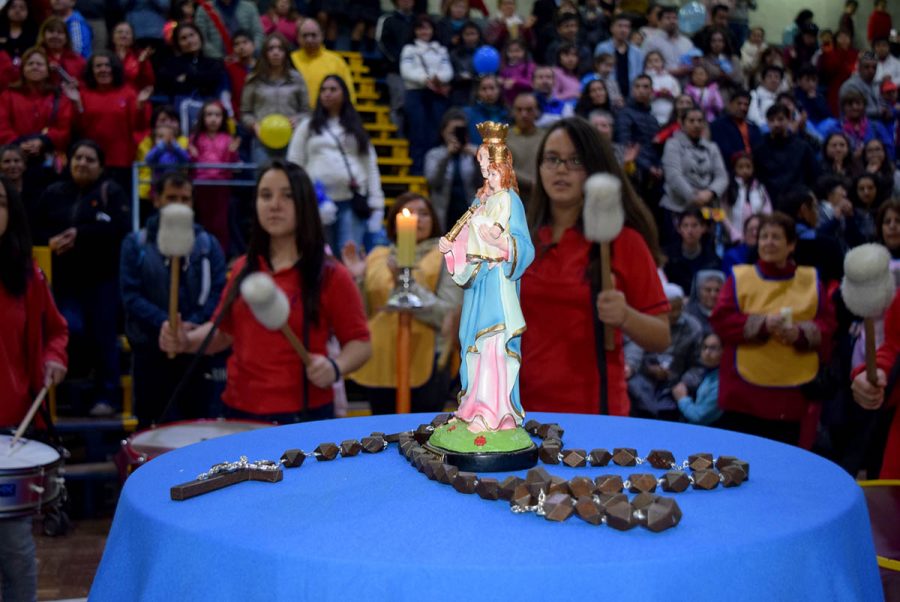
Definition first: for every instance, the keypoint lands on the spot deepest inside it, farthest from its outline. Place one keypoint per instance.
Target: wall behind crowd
(774, 16)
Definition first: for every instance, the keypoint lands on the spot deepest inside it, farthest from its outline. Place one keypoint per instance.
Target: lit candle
(407, 224)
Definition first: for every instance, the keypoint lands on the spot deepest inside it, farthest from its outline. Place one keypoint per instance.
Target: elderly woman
(775, 321)
(704, 294)
(858, 128)
(376, 274)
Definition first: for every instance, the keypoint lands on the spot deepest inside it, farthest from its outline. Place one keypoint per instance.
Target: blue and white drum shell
(29, 476)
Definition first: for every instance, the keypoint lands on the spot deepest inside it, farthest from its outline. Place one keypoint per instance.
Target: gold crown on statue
(492, 132)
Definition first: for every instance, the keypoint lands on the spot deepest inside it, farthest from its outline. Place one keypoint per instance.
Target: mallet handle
(871, 367)
(296, 344)
(175, 276)
(606, 284)
(29, 416)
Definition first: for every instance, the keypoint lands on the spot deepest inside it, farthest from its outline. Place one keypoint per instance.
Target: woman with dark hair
(721, 60)
(837, 157)
(462, 58)
(775, 320)
(136, 66)
(33, 355)
(334, 148)
(875, 161)
(426, 71)
(376, 275)
(83, 220)
(561, 289)
(452, 174)
(65, 63)
(594, 97)
(487, 106)
(887, 227)
(18, 29)
(274, 87)
(110, 113)
(867, 195)
(266, 379)
(190, 74)
(35, 116)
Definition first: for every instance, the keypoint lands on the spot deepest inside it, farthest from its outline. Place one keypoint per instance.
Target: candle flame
(406, 212)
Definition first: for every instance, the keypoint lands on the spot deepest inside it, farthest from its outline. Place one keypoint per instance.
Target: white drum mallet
(270, 307)
(603, 218)
(868, 289)
(175, 240)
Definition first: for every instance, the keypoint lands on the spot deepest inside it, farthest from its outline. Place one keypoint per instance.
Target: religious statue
(486, 253)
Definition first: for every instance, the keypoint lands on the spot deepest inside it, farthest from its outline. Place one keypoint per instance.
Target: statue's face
(484, 161)
(493, 179)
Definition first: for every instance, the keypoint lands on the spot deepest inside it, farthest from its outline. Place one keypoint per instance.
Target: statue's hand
(444, 245)
(493, 235)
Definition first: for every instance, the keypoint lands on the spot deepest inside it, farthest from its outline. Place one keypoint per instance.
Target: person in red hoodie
(136, 65)
(110, 113)
(836, 64)
(32, 356)
(65, 63)
(880, 23)
(35, 115)
(873, 397)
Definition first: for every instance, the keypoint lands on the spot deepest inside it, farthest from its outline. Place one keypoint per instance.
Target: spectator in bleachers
(732, 132)
(488, 106)
(836, 156)
(628, 60)
(167, 154)
(111, 114)
(604, 69)
(239, 65)
(552, 109)
(523, 141)
(8, 71)
(568, 26)
(805, 45)
(266, 379)
(12, 169)
(692, 251)
(782, 159)
(798, 122)
(808, 96)
(721, 61)
(83, 220)
(361, 18)
(651, 388)
(145, 281)
(765, 94)
(693, 168)
(704, 293)
(393, 31)
(315, 62)
(136, 66)
(80, 34)
(189, 77)
(813, 247)
(234, 15)
(555, 290)
(210, 142)
(670, 42)
(594, 97)
(148, 18)
(273, 88)
(771, 57)
(635, 124)
(858, 126)
(448, 29)
(334, 148)
(682, 103)
(862, 82)
(703, 407)
(746, 196)
(880, 23)
(705, 92)
(876, 161)
(376, 275)
(33, 355)
(566, 84)
(751, 51)
(507, 25)
(18, 29)
(769, 354)
(516, 71)
(282, 17)
(163, 116)
(867, 196)
(426, 71)
(35, 115)
(745, 251)
(462, 58)
(836, 65)
(837, 215)
(665, 87)
(887, 226)
(452, 173)
(65, 64)
(888, 64)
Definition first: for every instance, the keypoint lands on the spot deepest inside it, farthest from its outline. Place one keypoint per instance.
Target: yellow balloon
(275, 131)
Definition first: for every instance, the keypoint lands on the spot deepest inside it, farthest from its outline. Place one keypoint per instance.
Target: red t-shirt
(559, 360)
(265, 374)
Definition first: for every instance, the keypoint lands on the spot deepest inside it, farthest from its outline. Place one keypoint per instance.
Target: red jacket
(879, 25)
(8, 72)
(25, 112)
(112, 119)
(138, 74)
(886, 359)
(34, 333)
(736, 394)
(836, 66)
(73, 64)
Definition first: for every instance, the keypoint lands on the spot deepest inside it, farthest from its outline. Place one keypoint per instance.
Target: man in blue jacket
(145, 294)
(629, 59)
(732, 132)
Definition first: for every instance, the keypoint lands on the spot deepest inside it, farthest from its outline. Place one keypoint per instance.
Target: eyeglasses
(554, 162)
(710, 348)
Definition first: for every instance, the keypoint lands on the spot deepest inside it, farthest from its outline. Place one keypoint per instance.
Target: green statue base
(488, 451)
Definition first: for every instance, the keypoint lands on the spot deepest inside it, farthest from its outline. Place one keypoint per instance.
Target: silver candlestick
(408, 295)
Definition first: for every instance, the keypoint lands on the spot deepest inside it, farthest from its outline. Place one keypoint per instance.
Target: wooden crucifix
(228, 473)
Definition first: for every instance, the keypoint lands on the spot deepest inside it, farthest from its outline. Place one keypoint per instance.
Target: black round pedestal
(487, 462)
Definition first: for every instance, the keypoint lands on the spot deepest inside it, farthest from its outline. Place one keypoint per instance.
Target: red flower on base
(452, 428)
(480, 440)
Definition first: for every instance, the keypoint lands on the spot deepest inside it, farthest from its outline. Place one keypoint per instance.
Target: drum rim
(25, 470)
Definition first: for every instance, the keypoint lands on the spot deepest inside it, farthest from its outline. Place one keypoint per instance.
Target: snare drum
(29, 476)
(146, 445)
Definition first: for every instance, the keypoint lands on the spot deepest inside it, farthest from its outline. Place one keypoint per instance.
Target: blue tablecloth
(372, 528)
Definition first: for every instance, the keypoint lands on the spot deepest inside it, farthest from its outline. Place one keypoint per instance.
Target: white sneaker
(102, 409)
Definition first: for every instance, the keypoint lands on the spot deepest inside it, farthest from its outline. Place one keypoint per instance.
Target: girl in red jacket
(65, 63)
(32, 355)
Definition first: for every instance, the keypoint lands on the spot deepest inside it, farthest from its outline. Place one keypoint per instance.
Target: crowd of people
(734, 153)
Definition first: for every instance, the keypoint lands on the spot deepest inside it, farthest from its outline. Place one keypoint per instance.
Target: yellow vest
(381, 369)
(774, 364)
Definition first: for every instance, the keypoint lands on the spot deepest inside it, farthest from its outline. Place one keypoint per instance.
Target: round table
(371, 527)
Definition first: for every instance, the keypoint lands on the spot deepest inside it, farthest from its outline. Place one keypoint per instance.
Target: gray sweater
(439, 172)
(285, 96)
(690, 168)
